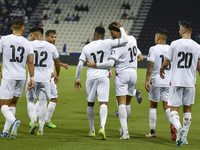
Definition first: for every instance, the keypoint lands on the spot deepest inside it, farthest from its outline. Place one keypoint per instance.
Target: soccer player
(97, 82)
(125, 58)
(45, 54)
(16, 51)
(158, 87)
(50, 36)
(184, 54)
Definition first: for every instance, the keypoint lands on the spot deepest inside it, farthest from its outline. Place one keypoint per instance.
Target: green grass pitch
(72, 125)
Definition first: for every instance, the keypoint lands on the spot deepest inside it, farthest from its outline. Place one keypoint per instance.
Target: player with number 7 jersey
(44, 55)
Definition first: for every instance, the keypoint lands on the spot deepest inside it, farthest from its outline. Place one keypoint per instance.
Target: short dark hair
(162, 32)
(111, 27)
(36, 29)
(100, 30)
(48, 32)
(187, 25)
(17, 24)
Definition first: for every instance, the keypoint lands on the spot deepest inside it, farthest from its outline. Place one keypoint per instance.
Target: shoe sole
(138, 96)
(154, 136)
(13, 133)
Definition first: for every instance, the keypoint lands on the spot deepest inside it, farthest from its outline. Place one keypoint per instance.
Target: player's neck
(18, 33)
(186, 36)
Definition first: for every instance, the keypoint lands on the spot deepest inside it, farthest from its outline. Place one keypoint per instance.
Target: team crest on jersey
(112, 52)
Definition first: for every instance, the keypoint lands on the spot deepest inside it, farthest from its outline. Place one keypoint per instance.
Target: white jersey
(44, 54)
(156, 56)
(97, 51)
(184, 55)
(125, 55)
(15, 50)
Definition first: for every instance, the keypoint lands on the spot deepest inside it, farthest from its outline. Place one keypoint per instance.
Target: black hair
(38, 29)
(17, 24)
(48, 32)
(100, 30)
(162, 32)
(111, 27)
(187, 25)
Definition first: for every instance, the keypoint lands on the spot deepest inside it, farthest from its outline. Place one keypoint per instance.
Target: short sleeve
(138, 52)
(30, 49)
(115, 54)
(169, 55)
(55, 54)
(151, 55)
(82, 56)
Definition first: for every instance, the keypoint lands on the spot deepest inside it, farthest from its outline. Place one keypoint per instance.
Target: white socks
(186, 124)
(31, 110)
(8, 123)
(128, 110)
(152, 118)
(37, 109)
(90, 114)
(175, 119)
(42, 113)
(103, 115)
(8, 113)
(50, 110)
(123, 117)
(167, 111)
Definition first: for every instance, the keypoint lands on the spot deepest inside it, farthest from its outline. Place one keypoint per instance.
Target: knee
(55, 100)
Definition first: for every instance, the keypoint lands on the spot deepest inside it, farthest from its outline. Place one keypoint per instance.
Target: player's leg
(8, 124)
(128, 106)
(7, 90)
(166, 107)
(188, 100)
(103, 89)
(91, 95)
(175, 101)
(154, 98)
(51, 106)
(44, 95)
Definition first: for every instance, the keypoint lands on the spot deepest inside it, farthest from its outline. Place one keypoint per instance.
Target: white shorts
(100, 87)
(54, 91)
(41, 90)
(181, 96)
(157, 93)
(10, 88)
(125, 82)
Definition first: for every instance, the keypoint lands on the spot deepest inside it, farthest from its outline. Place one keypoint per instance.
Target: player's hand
(52, 75)
(118, 25)
(64, 65)
(162, 74)
(30, 85)
(147, 86)
(56, 79)
(77, 85)
(91, 63)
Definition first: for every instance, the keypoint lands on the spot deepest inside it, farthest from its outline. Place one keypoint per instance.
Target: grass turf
(72, 125)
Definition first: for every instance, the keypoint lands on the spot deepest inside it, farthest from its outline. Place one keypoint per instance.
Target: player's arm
(104, 65)
(78, 73)
(148, 75)
(31, 71)
(140, 58)
(199, 66)
(123, 39)
(0, 65)
(57, 66)
(65, 65)
(163, 67)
